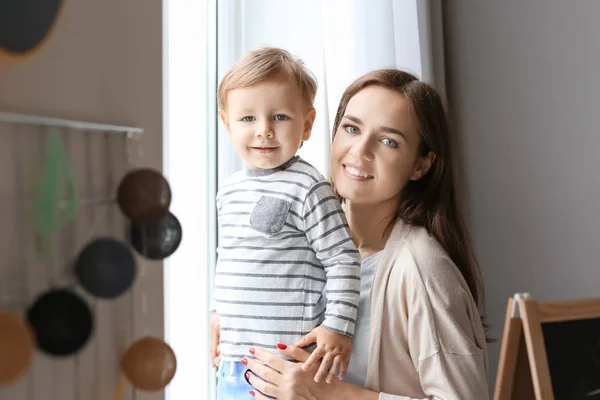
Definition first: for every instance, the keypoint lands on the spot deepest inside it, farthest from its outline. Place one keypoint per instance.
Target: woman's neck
(370, 224)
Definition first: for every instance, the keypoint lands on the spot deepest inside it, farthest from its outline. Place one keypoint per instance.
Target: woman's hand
(282, 379)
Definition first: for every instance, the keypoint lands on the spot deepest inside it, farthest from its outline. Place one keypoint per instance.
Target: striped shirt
(283, 243)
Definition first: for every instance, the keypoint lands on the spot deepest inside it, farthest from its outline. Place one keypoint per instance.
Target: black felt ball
(24, 24)
(156, 240)
(106, 268)
(61, 321)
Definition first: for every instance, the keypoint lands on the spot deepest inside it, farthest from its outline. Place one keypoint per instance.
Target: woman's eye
(280, 117)
(389, 142)
(248, 118)
(351, 129)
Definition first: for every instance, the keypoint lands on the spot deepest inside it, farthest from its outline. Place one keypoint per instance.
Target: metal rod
(65, 123)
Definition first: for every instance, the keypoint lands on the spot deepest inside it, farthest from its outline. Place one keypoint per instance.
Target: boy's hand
(215, 338)
(335, 350)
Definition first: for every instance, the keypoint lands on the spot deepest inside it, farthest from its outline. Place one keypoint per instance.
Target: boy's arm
(328, 233)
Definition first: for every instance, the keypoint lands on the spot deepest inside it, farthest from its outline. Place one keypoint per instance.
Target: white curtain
(339, 40)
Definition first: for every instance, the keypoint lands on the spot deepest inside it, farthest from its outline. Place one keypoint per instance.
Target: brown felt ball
(149, 364)
(16, 347)
(144, 195)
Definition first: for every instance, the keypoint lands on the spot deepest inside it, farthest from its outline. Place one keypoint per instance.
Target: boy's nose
(265, 131)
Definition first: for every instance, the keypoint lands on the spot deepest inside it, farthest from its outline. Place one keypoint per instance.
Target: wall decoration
(156, 240)
(16, 347)
(62, 322)
(25, 24)
(144, 195)
(76, 213)
(57, 184)
(106, 268)
(149, 364)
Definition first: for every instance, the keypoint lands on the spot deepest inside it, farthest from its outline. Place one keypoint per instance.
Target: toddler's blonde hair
(264, 64)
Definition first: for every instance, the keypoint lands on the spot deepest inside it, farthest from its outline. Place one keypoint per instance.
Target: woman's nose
(361, 150)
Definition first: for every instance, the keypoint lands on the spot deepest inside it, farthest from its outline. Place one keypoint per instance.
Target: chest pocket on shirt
(270, 214)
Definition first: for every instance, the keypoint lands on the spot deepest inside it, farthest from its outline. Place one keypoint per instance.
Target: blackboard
(24, 24)
(573, 351)
(551, 351)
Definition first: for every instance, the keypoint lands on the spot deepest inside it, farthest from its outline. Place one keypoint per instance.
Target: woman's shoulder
(415, 243)
(433, 288)
(421, 259)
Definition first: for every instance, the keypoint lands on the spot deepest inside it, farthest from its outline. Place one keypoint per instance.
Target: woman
(419, 332)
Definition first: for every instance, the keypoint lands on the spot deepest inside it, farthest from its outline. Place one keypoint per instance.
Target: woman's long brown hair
(431, 201)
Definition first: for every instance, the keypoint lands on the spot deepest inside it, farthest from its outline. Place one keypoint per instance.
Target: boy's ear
(308, 123)
(225, 120)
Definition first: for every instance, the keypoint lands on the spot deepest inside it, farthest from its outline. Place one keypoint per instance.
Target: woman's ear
(423, 166)
(308, 123)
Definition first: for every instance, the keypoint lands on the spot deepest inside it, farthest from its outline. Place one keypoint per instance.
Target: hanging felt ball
(149, 364)
(156, 240)
(16, 347)
(106, 268)
(144, 194)
(26, 24)
(61, 321)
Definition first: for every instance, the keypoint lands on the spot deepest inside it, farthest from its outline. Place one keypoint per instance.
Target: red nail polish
(252, 350)
(247, 375)
(244, 361)
(281, 346)
(252, 393)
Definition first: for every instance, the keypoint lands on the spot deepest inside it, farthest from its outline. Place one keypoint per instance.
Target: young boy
(284, 241)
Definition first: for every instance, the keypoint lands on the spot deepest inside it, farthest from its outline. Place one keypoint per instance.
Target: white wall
(524, 92)
(102, 63)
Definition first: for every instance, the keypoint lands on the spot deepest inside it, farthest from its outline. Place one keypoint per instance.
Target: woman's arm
(340, 390)
(286, 380)
(274, 376)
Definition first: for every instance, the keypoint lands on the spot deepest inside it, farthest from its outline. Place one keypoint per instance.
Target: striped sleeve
(328, 233)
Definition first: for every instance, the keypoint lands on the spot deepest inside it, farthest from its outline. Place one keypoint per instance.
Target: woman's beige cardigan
(427, 339)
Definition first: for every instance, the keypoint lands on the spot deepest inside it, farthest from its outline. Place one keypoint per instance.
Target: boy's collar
(269, 171)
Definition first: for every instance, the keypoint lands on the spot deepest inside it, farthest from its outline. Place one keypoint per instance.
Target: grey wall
(523, 88)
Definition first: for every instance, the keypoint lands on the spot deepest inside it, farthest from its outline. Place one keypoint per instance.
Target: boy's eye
(389, 142)
(280, 117)
(351, 129)
(248, 118)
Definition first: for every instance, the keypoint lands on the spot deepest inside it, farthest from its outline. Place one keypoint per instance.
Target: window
(190, 165)
(338, 40)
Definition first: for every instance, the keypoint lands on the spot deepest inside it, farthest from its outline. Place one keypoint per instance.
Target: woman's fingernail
(252, 350)
(244, 361)
(252, 393)
(281, 346)
(247, 376)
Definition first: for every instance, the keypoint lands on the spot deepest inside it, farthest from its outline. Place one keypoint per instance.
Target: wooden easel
(523, 371)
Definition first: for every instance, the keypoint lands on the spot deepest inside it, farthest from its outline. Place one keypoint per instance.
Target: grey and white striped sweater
(283, 243)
